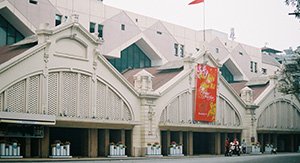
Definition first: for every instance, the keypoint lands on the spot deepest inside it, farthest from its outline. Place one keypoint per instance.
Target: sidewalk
(74, 159)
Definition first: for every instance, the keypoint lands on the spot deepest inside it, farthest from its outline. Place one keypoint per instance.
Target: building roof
(9, 52)
(176, 64)
(270, 50)
(160, 76)
(263, 80)
(257, 89)
(267, 59)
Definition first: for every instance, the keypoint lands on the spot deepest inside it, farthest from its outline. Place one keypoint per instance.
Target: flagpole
(204, 21)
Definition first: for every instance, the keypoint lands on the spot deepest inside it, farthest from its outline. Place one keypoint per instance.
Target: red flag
(196, 1)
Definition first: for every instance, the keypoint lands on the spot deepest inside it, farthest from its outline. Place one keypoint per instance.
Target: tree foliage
(289, 76)
(296, 4)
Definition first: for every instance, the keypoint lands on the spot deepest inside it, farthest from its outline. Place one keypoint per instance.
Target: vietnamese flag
(196, 1)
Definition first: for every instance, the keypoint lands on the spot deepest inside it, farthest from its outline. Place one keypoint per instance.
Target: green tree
(289, 76)
(295, 3)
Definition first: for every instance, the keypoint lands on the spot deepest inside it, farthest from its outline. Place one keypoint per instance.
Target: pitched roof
(9, 52)
(270, 60)
(257, 89)
(270, 50)
(160, 76)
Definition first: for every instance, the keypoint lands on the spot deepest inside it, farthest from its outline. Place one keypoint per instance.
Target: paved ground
(279, 158)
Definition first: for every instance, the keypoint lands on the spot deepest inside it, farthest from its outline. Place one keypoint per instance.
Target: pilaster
(44, 144)
(92, 142)
(217, 143)
(190, 151)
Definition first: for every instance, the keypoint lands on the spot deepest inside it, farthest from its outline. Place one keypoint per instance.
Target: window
(217, 50)
(92, 27)
(57, 20)
(181, 50)
(241, 53)
(8, 34)
(123, 27)
(33, 1)
(100, 30)
(253, 66)
(131, 57)
(264, 71)
(227, 74)
(176, 49)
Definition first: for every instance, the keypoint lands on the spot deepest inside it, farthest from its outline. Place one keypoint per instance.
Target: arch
(227, 114)
(280, 114)
(180, 110)
(22, 96)
(117, 101)
(69, 95)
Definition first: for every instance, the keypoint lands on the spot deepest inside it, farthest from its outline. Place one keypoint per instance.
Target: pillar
(123, 136)
(106, 142)
(27, 147)
(269, 139)
(292, 143)
(275, 138)
(44, 144)
(168, 141)
(190, 143)
(261, 141)
(218, 143)
(92, 142)
(181, 137)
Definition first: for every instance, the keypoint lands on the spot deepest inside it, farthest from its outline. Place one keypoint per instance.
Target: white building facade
(102, 79)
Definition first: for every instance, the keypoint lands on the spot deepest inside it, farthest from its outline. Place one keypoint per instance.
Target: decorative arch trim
(180, 111)
(280, 114)
(69, 94)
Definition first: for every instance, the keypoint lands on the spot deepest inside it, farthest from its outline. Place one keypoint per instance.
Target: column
(275, 137)
(190, 143)
(180, 137)
(217, 143)
(123, 139)
(44, 143)
(92, 137)
(168, 141)
(292, 141)
(269, 139)
(261, 141)
(123, 136)
(106, 141)
(27, 147)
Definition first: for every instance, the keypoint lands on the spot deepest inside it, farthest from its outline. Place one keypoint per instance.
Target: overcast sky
(256, 22)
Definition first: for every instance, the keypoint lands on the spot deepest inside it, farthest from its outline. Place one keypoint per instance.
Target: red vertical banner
(206, 93)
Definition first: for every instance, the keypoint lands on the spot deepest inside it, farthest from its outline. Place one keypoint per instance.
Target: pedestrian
(227, 146)
(244, 146)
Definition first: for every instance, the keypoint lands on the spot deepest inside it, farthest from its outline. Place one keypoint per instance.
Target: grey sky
(256, 22)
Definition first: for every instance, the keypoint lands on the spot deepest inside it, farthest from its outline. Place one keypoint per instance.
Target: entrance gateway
(37, 141)
(196, 142)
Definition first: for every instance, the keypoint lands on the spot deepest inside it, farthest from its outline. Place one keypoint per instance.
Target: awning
(26, 118)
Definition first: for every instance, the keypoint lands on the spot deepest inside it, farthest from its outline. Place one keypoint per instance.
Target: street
(279, 158)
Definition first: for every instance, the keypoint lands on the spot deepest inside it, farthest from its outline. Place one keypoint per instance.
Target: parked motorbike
(274, 151)
(234, 150)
